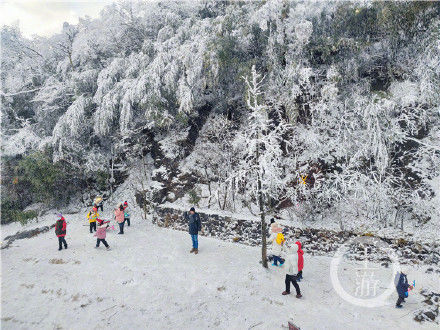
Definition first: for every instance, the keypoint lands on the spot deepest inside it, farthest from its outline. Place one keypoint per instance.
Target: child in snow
(277, 240)
(119, 217)
(60, 231)
(126, 214)
(299, 276)
(101, 234)
(92, 216)
(292, 266)
(402, 288)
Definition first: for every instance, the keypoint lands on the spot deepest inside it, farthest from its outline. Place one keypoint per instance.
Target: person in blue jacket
(195, 225)
(402, 288)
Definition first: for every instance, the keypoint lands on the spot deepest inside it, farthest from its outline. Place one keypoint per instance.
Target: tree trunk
(233, 193)
(263, 227)
(224, 199)
(263, 221)
(112, 178)
(209, 187)
(70, 60)
(218, 199)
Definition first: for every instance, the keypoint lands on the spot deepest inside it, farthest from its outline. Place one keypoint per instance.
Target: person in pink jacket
(101, 234)
(119, 217)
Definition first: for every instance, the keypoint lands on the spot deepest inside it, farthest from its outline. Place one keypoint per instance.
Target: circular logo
(364, 285)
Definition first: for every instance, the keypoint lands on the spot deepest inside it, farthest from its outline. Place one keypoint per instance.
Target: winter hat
(192, 209)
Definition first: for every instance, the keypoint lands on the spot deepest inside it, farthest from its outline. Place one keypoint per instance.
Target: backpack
(280, 238)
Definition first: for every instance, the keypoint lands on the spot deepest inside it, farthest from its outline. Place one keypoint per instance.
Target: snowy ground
(150, 280)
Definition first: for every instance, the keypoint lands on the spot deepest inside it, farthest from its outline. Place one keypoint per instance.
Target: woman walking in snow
(101, 233)
(195, 226)
(291, 269)
(60, 231)
(119, 217)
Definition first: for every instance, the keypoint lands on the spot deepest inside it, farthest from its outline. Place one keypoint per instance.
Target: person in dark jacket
(195, 225)
(402, 289)
(60, 231)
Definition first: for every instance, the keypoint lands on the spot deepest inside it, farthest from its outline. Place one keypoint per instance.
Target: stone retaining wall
(314, 241)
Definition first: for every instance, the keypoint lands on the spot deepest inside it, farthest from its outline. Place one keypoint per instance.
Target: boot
(192, 250)
(196, 251)
(285, 293)
(299, 295)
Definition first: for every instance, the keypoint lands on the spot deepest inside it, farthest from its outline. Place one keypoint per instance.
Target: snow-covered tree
(258, 148)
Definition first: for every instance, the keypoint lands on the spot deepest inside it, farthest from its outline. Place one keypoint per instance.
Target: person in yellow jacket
(92, 216)
(277, 240)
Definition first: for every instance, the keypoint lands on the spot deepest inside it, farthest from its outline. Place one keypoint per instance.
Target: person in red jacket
(299, 276)
(60, 231)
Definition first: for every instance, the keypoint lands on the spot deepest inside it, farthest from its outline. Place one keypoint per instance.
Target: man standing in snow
(60, 231)
(195, 226)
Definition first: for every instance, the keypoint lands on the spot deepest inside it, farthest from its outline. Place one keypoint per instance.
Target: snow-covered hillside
(149, 280)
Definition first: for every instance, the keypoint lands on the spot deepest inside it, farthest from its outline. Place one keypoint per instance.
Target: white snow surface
(149, 280)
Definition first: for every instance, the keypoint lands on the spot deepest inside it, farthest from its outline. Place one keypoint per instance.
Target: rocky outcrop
(25, 234)
(430, 310)
(175, 183)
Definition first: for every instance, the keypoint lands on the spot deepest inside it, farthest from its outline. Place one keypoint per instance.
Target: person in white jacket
(291, 257)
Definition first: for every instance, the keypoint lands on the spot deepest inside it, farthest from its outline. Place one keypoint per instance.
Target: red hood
(299, 247)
